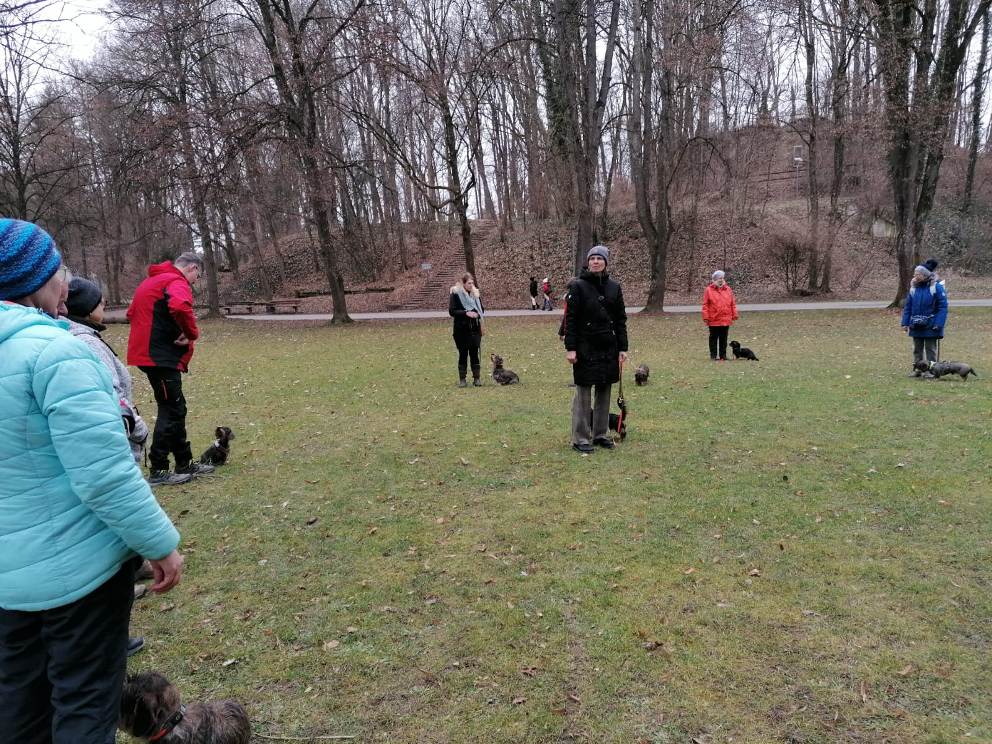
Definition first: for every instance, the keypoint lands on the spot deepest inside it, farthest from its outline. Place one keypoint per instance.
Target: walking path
(747, 308)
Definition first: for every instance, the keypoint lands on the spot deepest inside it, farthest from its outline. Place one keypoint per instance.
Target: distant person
(533, 293)
(74, 514)
(719, 313)
(163, 329)
(546, 291)
(465, 308)
(595, 327)
(924, 316)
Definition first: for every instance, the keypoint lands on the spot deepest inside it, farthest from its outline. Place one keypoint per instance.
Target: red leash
(621, 402)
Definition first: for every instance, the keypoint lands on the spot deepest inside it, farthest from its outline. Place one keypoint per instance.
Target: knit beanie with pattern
(28, 258)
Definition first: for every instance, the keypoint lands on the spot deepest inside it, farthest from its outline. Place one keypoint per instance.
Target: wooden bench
(271, 306)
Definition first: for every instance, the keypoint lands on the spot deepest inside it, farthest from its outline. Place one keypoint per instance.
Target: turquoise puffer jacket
(73, 504)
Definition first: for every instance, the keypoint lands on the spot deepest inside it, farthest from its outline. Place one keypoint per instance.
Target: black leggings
(718, 335)
(464, 352)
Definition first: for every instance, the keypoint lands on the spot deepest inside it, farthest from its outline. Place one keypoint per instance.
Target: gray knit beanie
(599, 250)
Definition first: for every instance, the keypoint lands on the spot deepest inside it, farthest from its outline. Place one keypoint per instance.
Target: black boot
(475, 377)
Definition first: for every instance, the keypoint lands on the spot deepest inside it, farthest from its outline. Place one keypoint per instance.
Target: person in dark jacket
(595, 333)
(465, 307)
(533, 293)
(924, 315)
(163, 330)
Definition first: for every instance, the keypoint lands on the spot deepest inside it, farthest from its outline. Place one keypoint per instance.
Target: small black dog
(939, 369)
(615, 421)
(151, 709)
(217, 452)
(501, 375)
(641, 374)
(742, 352)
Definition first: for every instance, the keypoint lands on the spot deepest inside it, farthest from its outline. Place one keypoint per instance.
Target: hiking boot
(585, 449)
(134, 645)
(165, 478)
(604, 443)
(462, 383)
(196, 468)
(476, 382)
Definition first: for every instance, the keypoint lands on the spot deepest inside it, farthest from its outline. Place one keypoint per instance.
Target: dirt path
(751, 308)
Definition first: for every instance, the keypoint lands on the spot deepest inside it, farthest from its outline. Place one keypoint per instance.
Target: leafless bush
(788, 255)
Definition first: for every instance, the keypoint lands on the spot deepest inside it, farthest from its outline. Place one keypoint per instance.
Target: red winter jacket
(719, 308)
(161, 312)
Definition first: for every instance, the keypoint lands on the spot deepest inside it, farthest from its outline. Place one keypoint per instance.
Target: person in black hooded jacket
(465, 307)
(595, 335)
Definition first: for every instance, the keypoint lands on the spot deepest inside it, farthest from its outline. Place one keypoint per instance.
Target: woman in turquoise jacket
(74, 514)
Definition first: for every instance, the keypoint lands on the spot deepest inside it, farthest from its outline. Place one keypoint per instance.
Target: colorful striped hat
(28, 258)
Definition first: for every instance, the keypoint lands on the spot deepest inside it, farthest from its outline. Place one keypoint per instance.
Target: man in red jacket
(163, 329)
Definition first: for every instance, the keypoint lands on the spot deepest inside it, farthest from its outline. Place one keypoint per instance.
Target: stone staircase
(432, 293)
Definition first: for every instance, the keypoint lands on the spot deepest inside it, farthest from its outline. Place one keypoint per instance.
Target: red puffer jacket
(719, 307)
(161, 312)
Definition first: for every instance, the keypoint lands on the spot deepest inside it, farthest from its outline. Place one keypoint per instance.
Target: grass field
(796, 550)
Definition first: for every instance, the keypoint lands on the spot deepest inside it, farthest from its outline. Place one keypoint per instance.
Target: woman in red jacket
(719, 313)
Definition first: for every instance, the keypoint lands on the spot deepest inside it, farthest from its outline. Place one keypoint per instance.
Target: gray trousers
(582, 407)
(926, 347)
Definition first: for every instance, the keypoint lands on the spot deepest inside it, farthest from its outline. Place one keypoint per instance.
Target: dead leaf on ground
(312, 520)
(167, 608)
(519, 700)
(330, 645)
(754, 572)
(906, 670)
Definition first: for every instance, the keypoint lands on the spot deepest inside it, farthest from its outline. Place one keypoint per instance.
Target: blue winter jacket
(73, 504)
(927, 300)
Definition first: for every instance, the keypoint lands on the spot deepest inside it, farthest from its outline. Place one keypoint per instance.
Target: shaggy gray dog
(500, 375)
(939, 369)
(641, 374)
(152, 710)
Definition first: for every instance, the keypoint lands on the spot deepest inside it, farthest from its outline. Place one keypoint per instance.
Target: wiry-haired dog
(939, 369)
(742, 352)
(500, 375)
(152, 710)
(641, 374)
(218, 452)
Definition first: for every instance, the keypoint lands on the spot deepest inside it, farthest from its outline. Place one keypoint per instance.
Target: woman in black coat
(595, 334)
(466, 308)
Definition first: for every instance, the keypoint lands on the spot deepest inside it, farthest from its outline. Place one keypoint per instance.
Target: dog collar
(169, 724)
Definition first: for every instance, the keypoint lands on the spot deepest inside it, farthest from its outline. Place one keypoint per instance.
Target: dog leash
(621, 402)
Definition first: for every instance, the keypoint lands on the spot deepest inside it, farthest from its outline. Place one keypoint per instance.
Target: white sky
(81, 26)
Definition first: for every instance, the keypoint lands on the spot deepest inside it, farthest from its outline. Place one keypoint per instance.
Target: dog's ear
(219, 432)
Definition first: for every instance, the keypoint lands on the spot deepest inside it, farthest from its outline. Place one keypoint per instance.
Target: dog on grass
(939, 369)
(218, 452)
(641, 374)
(742, 352)
(152, 710)
(502, 376)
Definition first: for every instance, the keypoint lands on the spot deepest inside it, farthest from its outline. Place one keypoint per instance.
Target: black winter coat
(466, 331)
(595, 327)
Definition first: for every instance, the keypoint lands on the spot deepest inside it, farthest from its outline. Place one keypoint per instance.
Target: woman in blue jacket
(74, 514)
(924, 315)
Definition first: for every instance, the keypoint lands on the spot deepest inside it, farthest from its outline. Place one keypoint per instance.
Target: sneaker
(476, 382)
(165, 478)
(140, 590)
(462, 383)
(134, 645)
(604, 443)
(585, 449)
(144, 572)
(196, 468)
